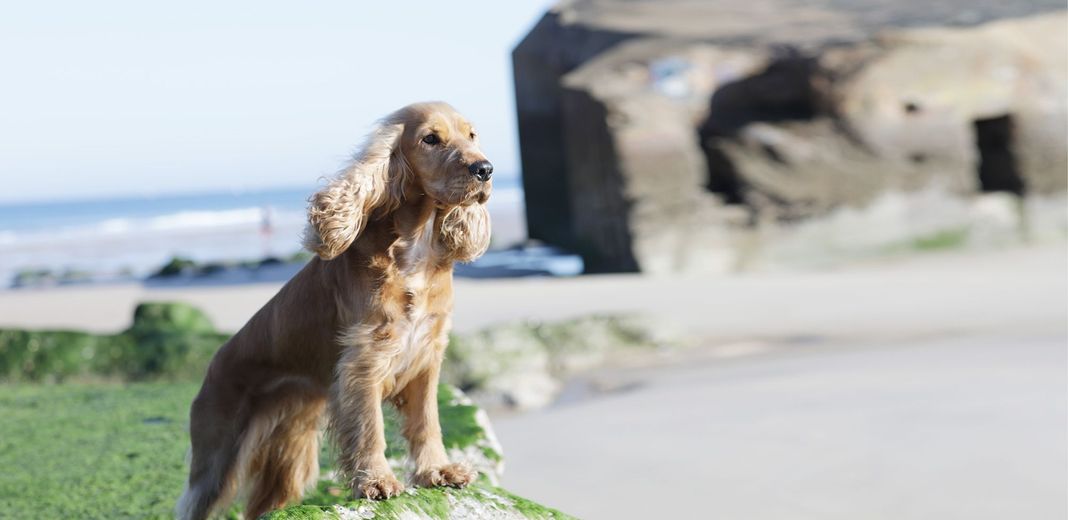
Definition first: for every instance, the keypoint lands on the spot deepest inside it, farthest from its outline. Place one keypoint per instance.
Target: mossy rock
(173, 356)
(157, 348)
(170, 339)
(522, 365)
(167, 340)
(157, 317)
(479, 501)
(465, 431)
(45, 355)
(118, 450)
(176, 266)
(469, 438)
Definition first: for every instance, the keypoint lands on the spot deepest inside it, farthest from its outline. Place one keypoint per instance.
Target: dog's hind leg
(280, 452)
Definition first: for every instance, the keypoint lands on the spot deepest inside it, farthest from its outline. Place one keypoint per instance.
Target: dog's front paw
(378, 486)
(452, 475)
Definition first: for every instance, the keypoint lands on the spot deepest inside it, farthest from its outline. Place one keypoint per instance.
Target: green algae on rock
(522, 365)
(477, 502)
(124, 447)
(167, 340)
(144, 425)
(465, 431)
(469, 438)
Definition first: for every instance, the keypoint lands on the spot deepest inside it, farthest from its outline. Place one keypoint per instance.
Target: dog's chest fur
(415, 302)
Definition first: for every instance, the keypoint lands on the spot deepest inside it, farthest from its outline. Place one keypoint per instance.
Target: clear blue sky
(132, 97)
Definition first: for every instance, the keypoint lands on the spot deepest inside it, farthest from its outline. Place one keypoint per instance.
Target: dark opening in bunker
(790, 89)
(998, 170)
(722, 176)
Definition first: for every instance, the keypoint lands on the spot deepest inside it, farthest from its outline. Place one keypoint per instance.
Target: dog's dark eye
(432, 139)
(472, 135)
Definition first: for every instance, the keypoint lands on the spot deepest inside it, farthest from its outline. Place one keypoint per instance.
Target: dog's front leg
(357, 426)
(418, 404)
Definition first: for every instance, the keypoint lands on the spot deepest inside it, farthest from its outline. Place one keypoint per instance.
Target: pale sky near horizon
(122, 98)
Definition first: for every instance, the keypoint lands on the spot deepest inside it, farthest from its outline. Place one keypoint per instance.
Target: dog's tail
(273, 459)
(193, 504)
(205, 493)
(212, 460)
(184, 509)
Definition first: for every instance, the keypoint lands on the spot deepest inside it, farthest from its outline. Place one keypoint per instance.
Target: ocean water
(134, 236)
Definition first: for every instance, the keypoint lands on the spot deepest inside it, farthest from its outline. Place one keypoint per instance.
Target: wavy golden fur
(364, 322)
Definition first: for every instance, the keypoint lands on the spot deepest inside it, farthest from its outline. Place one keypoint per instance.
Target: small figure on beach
(266, 228)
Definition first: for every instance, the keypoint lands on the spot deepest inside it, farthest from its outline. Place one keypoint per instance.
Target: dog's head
(441, 149)
(422, 150)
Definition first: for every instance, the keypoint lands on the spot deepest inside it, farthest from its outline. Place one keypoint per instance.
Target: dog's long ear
(465, 232)
(339, 212)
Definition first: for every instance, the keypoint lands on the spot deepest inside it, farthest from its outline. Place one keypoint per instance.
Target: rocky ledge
(468, 438)
(479, 501)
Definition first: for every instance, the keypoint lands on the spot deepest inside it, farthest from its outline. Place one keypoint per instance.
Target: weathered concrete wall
(708, 152)
(598, 209)
(549, 51)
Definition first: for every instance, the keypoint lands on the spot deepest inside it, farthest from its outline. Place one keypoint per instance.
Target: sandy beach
(959, 427)
(938, 293)
(921, 387)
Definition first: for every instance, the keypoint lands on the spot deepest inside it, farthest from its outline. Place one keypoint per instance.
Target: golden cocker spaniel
(364, 322)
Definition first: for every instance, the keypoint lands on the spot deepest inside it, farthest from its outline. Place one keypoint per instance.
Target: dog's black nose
(481, 170)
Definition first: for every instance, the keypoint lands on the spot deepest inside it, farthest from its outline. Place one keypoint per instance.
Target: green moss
(945, 239)
(170, 317)
(118, 451)
(101, 451)
(428, 502)
(33, 355)
(166, 341)
(529, 508)
(459, 424)
(435, 503)
(304, 513)
(170, 355)
(488, 359)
